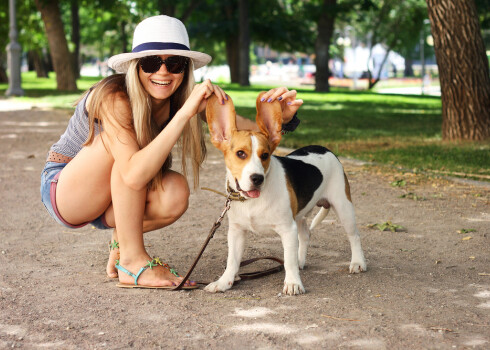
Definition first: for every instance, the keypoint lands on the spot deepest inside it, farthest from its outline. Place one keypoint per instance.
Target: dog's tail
(319, 217)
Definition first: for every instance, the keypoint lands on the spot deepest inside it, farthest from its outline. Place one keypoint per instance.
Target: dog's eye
(241, 155)
(264, 156)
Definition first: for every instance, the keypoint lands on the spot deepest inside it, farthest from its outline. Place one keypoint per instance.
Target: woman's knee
(171, 200)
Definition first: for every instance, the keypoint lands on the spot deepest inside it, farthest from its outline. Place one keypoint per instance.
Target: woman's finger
(272, 94)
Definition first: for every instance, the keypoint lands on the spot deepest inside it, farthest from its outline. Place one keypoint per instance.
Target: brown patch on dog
(292, 198)
(347, 188)
(241, 141)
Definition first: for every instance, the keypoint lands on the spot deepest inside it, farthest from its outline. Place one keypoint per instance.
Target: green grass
(402, 131)
(43, 91)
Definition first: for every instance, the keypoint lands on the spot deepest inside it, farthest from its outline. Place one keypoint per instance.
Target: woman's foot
(113, 256)
(156, 275)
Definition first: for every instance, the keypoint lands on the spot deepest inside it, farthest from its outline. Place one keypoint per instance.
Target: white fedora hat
(159, 35)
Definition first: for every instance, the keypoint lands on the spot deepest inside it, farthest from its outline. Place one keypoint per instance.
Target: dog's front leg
(236, 242)
(292, 280)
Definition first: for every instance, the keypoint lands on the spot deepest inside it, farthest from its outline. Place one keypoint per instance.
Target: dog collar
(234, 195)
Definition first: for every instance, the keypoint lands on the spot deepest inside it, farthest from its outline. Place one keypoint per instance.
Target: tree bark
(322, 44)
(232, 58)
(463, 69)
(244, 43)
(38, 63)
(50, 14)
(408, 72)
(75, 37)
(231, 42)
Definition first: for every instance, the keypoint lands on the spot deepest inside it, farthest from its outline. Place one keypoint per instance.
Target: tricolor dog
(279, 191)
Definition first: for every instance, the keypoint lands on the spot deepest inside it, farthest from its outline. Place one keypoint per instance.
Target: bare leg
(129, 208)
(164, 206)
(86, 188)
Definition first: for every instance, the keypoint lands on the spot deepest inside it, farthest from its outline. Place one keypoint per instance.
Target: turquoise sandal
(150, 264)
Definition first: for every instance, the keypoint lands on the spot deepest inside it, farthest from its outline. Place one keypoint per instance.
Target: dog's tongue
(253, 194)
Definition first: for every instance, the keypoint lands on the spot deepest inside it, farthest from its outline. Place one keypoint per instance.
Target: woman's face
(161, 84)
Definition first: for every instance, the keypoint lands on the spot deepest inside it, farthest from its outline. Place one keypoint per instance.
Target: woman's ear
(221, 121)
(269, 120)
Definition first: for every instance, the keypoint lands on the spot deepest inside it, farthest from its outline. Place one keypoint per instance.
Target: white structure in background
(357, 61)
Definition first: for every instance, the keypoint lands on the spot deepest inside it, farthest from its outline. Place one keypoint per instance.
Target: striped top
(75, 135)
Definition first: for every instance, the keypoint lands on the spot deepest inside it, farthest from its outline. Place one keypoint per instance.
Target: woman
(111, 167)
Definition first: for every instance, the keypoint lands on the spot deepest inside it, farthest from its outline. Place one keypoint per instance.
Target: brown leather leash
(244, 276)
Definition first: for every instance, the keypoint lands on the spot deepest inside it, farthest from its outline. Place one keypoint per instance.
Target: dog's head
(247, 154)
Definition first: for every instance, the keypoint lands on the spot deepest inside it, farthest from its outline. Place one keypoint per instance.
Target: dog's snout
(257, 179)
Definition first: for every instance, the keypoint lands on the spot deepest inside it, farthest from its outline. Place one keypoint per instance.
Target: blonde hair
(191, 142)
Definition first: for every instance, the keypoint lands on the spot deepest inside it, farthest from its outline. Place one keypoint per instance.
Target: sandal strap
(151, 264)
(119, 267)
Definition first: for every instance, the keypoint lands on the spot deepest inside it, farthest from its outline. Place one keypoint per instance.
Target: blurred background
(399, 82)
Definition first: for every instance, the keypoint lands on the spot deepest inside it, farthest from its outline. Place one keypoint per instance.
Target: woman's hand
(197, 100)
(289, 103)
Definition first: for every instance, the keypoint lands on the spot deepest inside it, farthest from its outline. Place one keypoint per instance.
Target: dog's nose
(257, 179)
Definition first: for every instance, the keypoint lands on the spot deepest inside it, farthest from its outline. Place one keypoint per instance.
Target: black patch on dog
(309, 149)
(303, 177)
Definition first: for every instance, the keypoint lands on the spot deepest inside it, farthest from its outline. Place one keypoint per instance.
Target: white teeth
(163, 83)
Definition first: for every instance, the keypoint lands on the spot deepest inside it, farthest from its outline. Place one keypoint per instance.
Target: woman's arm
(139, 166)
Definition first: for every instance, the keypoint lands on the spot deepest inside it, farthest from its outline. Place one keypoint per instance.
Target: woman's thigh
(83, 192)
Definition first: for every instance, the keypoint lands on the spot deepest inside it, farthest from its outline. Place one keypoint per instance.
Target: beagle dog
(279, 191)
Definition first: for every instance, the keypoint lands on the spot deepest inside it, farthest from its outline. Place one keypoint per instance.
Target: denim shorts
(49, 181)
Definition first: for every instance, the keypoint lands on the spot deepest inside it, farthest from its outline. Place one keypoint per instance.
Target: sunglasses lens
(176, 64)
(150, 64)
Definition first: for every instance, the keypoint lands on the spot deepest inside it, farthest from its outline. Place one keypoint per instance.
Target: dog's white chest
(257, 216)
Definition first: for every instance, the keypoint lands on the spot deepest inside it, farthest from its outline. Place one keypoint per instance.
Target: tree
(58, 45)
(244, 43)
(393, 24)
(463, 69)
(325, 26)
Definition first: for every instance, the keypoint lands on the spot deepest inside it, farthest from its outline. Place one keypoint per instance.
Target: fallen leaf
(466, 238)
(466, 230)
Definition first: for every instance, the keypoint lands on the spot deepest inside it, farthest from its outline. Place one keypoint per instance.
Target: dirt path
(426, 287)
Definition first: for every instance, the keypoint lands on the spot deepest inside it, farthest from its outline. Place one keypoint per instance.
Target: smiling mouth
(161, 83)
(251, 194)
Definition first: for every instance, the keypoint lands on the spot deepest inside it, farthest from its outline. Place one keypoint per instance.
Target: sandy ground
(427, 287)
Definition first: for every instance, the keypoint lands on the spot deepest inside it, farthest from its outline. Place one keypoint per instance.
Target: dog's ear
(221, 120)
(269, 119)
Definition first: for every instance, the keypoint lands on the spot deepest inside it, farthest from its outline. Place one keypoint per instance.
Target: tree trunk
(3, 73)
(232, 58)
(232, 45)
(75, 37)
(124, 37)
(373, 82)
(58, 46)
(322, 44)
(38, 63)
(244, 43)
(166, 8)
(408, 71)
(463, 69)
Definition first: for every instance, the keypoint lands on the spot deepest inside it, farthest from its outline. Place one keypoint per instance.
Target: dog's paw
(293, 288)
(357, 267)
(218, 286)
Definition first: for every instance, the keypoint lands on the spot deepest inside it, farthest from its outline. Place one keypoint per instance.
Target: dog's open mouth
(251, 194)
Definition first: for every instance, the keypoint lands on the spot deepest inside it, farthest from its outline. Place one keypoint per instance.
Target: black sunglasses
(174, 64)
